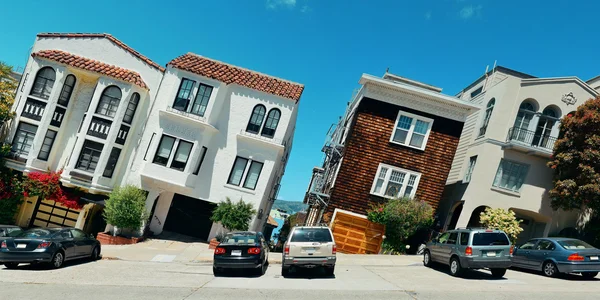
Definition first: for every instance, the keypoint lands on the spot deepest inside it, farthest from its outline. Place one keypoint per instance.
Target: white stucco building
(190, 134)
(503, 151)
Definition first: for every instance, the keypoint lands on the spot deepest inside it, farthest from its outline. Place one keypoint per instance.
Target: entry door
(190, 216)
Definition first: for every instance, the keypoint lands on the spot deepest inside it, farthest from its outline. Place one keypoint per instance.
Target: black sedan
(48, 245)
(241, 250)
(553, 256)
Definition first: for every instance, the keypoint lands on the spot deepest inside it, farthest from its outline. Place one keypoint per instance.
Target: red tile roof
(92, 65)
(231, 74)
(110, 38)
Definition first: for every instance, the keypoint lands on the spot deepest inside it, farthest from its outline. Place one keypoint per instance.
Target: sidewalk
(174, 251)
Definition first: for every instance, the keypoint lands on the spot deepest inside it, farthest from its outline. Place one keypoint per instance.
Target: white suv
(309, 247)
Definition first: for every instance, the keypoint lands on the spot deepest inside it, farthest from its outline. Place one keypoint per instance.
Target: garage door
(190, 216)
(51, 214)
(357, 235)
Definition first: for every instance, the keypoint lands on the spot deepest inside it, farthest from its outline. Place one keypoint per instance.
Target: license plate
(593, 257)
(21, 246)
(309, 250)
(491, 253)
(236, 253)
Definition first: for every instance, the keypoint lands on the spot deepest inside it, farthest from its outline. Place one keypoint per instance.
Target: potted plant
(232, 216)
(125, 210)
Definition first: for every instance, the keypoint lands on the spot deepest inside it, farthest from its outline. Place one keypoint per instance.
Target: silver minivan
(471, 248)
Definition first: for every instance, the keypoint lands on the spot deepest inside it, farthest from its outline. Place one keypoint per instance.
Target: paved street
(117, 279)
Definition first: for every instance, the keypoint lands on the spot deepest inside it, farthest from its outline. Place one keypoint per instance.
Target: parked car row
(52, 246)
(478, 248)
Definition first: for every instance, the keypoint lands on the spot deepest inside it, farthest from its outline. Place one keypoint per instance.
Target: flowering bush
(402, 218)
(47, 186)
(503, 220)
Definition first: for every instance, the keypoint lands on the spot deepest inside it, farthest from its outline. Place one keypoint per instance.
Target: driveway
(120, 279)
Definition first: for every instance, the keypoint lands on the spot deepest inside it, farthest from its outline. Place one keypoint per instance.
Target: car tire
(95, 254)
(498, 273)
(262, 270)
(58, 259)
(589, 275)
(549, 269)
(427, 258)
(330, 271)
(217, 272)
(11, 265)
(455, 268)
(285, 271)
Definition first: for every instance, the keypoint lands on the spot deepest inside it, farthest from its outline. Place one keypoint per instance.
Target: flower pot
(108, 239)
(213, 244)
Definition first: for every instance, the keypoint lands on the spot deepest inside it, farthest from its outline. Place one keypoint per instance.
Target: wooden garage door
(52, 214)
(356, 235)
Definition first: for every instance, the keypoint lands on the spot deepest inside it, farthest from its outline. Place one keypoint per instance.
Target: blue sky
(327, 45)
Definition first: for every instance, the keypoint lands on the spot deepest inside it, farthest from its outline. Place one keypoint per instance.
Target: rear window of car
(12, 232)
(574, 244)
(36, 233)
(490, 239)
(240, 239)
(304, 235)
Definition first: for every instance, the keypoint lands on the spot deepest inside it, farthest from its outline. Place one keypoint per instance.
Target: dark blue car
(553, 256)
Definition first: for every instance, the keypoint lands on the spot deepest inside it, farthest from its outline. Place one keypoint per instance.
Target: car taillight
(44, 245)
(219, 250)
(469, 251)
(254, 250)
(287, 250)
(334, 249)
(575, 257)
(512, 249)
(3, 245)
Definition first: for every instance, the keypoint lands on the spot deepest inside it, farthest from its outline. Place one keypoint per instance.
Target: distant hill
(291, 207)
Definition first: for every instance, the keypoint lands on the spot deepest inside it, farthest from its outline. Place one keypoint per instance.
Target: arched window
(520, 130)
(67, 90)
(271, 123)
(109, 101)
(256, 120)
(544, 127)
(44, 80)
(488, 114)
(131, 107)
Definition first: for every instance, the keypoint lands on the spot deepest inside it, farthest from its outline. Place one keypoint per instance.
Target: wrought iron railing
(317, 183)
(530, 138)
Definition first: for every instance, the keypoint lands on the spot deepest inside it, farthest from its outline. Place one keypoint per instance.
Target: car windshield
(490, 239)
(312, 235)
(575, 244)
(35, 233)
(239, 239)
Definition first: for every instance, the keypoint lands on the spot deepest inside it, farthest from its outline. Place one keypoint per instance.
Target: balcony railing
(99, 128)
(33, 109)
(531, 139)
(317, 183)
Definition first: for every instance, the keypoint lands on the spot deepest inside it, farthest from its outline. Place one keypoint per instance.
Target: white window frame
(470, 168)
(391, 168)
(411, 129)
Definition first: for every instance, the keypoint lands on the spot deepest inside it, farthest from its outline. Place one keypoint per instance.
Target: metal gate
(48, 213)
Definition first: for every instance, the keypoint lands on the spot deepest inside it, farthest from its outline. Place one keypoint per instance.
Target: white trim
(386, 180)
(583, 84)
(411, 129)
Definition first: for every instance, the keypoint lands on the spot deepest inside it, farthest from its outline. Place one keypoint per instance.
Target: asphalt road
(148, 280)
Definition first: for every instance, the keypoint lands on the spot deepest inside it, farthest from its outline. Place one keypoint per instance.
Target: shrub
(503, 220)
(126, 208)
(402, 218)
(233, 216)
(11, 193)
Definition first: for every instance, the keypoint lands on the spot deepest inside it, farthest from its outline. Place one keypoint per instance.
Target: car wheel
(262, 270)
(550, 269)
(589, 275)
(330, 271)
(455, 268)
(285, 271)
(498, 273)
(11, 265)
(217, 272)
(95, 254)
(57, 260)
(427, 258)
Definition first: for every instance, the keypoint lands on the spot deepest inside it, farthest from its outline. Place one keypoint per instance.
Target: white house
(503, 151)
(106, 115)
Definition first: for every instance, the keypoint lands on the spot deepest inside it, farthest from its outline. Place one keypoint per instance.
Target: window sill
(240, 189)
(505, 191)
(390, 198)
(276, 143)
(186, 116)
(408, 146)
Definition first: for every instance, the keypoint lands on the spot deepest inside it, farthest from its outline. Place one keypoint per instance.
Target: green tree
(8, 86)
(501, 219)
(233, 216)
(576, 160)
(126, 208)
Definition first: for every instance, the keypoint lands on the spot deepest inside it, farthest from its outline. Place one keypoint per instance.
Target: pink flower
(25, 194)
(381, 209)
